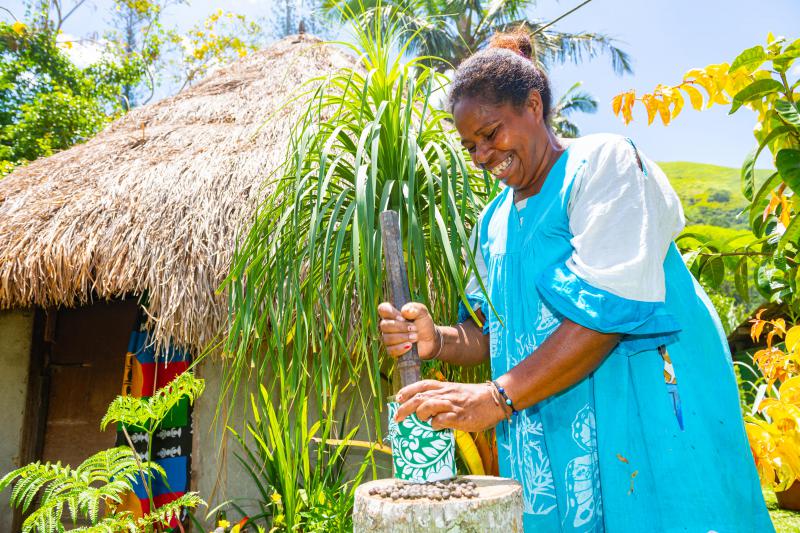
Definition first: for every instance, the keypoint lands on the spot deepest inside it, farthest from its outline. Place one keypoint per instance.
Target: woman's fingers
(447, 420)
(414, 311)
(423, 385)
(387, 310)
(397, 350)
(414, 395)
(390, 339)
(432, 407)
(396, 326)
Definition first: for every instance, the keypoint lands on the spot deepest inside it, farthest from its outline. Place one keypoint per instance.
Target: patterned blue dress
(653, 440)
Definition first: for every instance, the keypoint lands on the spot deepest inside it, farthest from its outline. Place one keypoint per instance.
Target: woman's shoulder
(599, 145)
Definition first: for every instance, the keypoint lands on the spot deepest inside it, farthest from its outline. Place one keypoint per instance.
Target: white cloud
(82, 52)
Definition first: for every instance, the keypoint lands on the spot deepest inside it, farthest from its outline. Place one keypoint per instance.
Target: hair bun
(518, 41)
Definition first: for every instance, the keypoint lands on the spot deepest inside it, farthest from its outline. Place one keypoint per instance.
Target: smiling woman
(613, 392)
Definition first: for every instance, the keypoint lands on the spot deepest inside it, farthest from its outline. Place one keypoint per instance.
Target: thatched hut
(148, 209)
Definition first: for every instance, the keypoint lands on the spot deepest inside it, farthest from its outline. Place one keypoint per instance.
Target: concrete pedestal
(498, 507)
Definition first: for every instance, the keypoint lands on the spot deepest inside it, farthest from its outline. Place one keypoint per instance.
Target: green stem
(788, 91)
(145, 483)
(734, 254)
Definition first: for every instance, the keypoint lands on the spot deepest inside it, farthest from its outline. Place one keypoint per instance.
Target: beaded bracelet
(508, 401)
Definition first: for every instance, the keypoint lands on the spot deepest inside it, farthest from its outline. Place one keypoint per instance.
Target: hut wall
(216, 473)
(16, 333)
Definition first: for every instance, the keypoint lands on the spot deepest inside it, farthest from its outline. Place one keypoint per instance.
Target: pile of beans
(436, 490)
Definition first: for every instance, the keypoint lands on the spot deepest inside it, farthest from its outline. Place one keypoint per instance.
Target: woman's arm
(570, 354)
(463, 344)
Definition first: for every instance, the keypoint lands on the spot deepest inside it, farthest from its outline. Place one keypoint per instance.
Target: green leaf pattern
(419, 453)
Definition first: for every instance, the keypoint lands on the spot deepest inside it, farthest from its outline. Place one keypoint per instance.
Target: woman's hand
(468, 407)
(413, 323)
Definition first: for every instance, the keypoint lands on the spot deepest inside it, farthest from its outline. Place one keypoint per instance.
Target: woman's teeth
(496, 171)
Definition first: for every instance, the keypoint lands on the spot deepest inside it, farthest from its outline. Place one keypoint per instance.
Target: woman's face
(509, 142)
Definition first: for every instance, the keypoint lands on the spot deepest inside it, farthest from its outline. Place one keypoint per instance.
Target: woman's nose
(482, 152)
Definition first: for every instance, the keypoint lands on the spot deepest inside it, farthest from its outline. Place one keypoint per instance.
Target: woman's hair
(502, 72)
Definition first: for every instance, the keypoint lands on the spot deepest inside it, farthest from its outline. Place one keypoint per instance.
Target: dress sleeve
(623, 215)
(474, 293)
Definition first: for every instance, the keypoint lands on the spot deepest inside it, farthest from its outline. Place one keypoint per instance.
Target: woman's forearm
(570, 354)
(464, 344)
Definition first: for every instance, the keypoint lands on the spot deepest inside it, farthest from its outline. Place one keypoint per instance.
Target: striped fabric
(145, 372)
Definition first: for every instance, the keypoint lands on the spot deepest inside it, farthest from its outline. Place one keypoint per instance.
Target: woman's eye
(492, 133)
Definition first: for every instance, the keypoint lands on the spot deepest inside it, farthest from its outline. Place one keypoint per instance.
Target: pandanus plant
(309, 273)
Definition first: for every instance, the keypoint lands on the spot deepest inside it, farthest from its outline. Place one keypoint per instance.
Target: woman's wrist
(503, 411)
(438, 333)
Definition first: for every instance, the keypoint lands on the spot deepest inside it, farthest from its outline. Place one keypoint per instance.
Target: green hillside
(710, 194)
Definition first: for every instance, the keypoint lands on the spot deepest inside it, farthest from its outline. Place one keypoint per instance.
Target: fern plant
(148, 413)
(103, 480)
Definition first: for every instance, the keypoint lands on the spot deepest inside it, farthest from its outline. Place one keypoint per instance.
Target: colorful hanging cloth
(145, 372)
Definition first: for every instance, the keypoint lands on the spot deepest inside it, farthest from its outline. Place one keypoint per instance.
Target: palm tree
(452, 30)
(571, 101)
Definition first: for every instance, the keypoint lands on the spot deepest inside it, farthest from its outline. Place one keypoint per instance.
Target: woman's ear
(535, 106)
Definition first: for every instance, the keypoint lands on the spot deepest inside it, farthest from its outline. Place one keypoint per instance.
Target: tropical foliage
(147, 414)
(572, 101)
(48, 103)
(774, 430)
(300, 472)
(758, 79)
(308, 277)
(452, 30)
(102, 481)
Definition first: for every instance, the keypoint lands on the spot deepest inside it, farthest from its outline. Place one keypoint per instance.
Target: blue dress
(653, 440)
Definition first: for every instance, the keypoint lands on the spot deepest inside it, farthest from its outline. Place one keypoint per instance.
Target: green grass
(783, 520)
(710, 194)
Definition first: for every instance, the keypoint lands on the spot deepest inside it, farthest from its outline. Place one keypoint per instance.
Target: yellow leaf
(677, 102)
(663, 111)
(784, 216)
(694, 96)
(651, 105)
(616, 103)
(469, 452)
(792, 338)
(757, 328)
(19, 27)
(770, 38)
(790, 390)
(627, 106)
(773, 203)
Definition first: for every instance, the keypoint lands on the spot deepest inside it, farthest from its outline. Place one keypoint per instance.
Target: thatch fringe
(154, 203)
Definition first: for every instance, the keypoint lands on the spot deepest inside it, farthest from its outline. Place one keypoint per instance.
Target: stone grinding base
(498, 507)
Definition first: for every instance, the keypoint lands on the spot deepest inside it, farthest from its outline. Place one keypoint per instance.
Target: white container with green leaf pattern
(419, 453)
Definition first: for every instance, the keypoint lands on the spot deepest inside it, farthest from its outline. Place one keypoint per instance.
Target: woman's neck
(553, 150)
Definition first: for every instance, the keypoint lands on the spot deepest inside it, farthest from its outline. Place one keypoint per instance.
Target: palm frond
(574, 100)
(559, 47)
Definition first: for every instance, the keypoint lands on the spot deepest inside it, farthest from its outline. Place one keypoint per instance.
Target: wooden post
(498, 507)
(408, 365)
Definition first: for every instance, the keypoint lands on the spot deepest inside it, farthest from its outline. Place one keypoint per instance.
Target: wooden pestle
(408, 365)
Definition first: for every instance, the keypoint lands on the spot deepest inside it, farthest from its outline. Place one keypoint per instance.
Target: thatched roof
(154, 203)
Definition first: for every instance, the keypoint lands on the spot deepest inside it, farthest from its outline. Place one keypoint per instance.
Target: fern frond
(168, 511)
(104, 477)
(149, 412)
(122, 521)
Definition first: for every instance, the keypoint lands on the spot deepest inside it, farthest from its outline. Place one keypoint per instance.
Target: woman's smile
(499, 170)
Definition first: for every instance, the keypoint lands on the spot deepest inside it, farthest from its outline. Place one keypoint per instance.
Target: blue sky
(665, 38)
